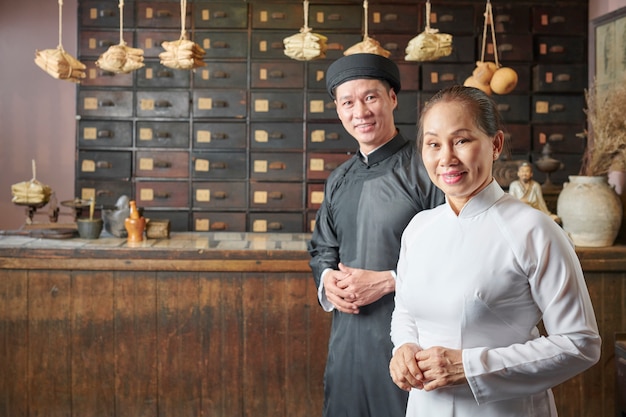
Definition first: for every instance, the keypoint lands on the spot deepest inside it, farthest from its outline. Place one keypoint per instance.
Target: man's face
(365, 108)
(525, 173)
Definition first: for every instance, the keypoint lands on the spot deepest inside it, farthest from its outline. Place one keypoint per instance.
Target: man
(368, 201)
(529, 190)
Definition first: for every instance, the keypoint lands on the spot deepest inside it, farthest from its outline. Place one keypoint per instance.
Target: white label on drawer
(203, 196)
(93, 43)
(93, 73)
(259, 226)
(145, 133)
(261, 106)
(205, 14)
(316, 164)
(318, 136)
(316, 106)
(90, 133)
(549, 77)
(146, 194)
(263, 46)
(319, 17)
(376, 17)
(543, 138)
(543, 49)
(88, 193)
(202, 225)
(205, 74)
(206, 43)
(93, 13)
(319, 75)
(261, 136)
(203, 136)
(90, 103)
(147, 104)
(149, 13)
(88, 166)
(542, 107)
(202, 165)
(260, 197)
(263, 74)
(260, 166)
(263, 16)
(434, 77)
(205, 103)
(149, 74)
(146, 164)
(149, 43)
(545, 20)
(317, 197)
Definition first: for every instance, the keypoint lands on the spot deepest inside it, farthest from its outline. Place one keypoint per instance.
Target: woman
(475, 277)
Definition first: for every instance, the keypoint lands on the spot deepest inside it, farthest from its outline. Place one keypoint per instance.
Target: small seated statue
(529, 191)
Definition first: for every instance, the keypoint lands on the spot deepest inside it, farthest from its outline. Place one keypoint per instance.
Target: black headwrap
(357, 66)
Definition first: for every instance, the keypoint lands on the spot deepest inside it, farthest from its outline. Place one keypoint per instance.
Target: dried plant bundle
(429, 46)
(305, 46)
(606, 139)
(60, 64)
(367, 46)
(121, 59)
(182, 54)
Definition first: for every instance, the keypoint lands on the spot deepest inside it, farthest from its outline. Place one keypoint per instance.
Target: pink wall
(37, 112)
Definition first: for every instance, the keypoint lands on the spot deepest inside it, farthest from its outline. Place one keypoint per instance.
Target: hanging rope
(121, 7)
(121, 58)
(368, 45)
(489, 23)
(183, 18)
(182, 53)
(428, 45)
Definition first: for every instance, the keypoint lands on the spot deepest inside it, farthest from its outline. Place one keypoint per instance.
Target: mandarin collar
(385, 151)
(482, 201)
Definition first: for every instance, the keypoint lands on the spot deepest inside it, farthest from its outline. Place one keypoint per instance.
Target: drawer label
(149, 12)
(147, 104)
(203, 136)
(202, 225)
(316, 106)
(88, 193)
(316, 164)
(205, 103)
(90, 133)
(263, 74)
(260, 166)
(145, 133)
(203, 196)
(261, 136)
(318, 136)
(149, 74)
(90, 103)
(542, 107)
(259, 226)
(206, 15)
(317, 197)
(205, 74)
(93, 13)
(146, 164)
(261, 106)
(263, 16)
(263, 46)
(146, 194)
(88, 166)
(260, 197)
(202, 165)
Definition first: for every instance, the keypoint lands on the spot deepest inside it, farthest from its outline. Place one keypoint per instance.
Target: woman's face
(457, 154)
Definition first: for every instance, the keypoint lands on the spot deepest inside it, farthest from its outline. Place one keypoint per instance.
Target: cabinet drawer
(518, 137)
(219, 222)
(218, 45)
(162, 134)
(559, 20)
(276, 195)
(162, 104)
(219, 103)
(104, 192)
(409, 75)
(162, 164)
(277, 166)
(104, 134)
(221, 75)
(511, 47)
(560, 49)
(513, 107)
(179, 220)
(563, 139)
(320, 165)
(105, 103)
(406, 112)
(394, 18)
(104, 165)
(278, 16)
(269, 45)
(162, 14)
(330, 16)
(277, 75)
(319, 106)
(155, 75)
(329, 136)
(438, 76)
(315, 195)
(394, 43)
(97, 77)
(275, 222)
(220, 15)
(558, 108)
(509, 18)
(150, 41)
(276, 135)
(162, 194)
(455, 19)
(104, 14)
(276, 105)
(464, 49)
(556, 78)
(219, 135)
(219, 195)
(219, 165)
(95, 43)
(338, 42)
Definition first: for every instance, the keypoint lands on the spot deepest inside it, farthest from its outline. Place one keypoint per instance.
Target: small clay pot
(88, 228)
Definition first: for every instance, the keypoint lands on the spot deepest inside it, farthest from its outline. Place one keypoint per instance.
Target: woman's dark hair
(483, 109)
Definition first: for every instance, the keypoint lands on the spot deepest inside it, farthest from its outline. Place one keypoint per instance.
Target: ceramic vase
(135, 224)
(590, 210)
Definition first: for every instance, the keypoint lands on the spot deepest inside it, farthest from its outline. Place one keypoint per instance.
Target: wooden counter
(213, 324)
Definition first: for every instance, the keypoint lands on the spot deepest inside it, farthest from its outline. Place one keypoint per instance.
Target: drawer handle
(334, 46)
(220, 103)
(104, 165)
(556, 137)
(563, 77)
(105, 134)
(557, 49)
(333, 136)
(391, 46)
(220, 195)
(105, 73)
(221, 74)
(329, 166)
(101, 193)
(106, 103)
(218, 165)
(220, 45)
(163, 14)
(162, 104)
(446, 18)
(219, 226)
(278, 15)
(220, 14)
(276, 195)
(447, 77)
(163, 135)
(277, 74)
(503, 107)
(276, 135)
(504, 18)
(161, 195)
(390, 17)
(277, 166)
(105, 43)
(557, 107)
(330, 105)
(277, 105)
(107, 13)
(278, 45)
(505, 47)
(558, 20)
(165, 74)
(334, 17)
(162, 164)
(274, 226)
(220, 136)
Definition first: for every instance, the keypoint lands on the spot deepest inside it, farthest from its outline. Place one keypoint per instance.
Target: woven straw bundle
(367, 45)
(306, 45)
(31, 192)
(182, 54)
(429, 46)
(121, 59)
(60, 64)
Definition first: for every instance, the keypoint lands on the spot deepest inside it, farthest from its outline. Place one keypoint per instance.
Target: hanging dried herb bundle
(606, 120)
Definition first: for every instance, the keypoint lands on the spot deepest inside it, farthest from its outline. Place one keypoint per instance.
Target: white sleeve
(321, 294)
